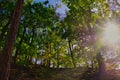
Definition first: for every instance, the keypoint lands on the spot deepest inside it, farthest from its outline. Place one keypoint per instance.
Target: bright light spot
(111, 33)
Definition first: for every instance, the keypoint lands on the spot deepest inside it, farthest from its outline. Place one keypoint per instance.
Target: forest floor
(42, 73)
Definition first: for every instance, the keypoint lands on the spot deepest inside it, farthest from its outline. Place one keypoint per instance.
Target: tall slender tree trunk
(58, 60)
(49, 59)
(101, 66)
(71, 53)
(20, 43)
(6, 55)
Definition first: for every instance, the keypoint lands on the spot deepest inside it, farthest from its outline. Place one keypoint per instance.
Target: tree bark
(71, 53)
(9, 43)
(58, 61)
(101, 66)
(19, 45)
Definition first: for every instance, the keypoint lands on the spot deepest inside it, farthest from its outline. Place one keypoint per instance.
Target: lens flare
(111, 33)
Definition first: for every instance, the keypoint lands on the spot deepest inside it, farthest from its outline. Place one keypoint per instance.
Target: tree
(83, 19)
(9, 43)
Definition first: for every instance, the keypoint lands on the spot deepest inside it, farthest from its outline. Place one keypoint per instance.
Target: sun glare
(111, 33)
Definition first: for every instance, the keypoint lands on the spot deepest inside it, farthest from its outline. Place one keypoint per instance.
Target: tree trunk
(58, 61)
(9, 43)
(49, 59)
(19, 45)
(71, 53)
(101, 66)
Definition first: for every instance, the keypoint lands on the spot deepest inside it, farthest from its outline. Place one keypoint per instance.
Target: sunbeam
(110, 34)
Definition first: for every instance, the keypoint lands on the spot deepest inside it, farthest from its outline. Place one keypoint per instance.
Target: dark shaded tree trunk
(32, 37)
(6, 55)
(101, 66)
(92, 64)
(71, 53)
(20, 43)
(49, 59)
(58, 59)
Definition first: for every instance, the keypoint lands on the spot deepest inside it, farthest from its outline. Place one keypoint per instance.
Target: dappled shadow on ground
(44, 73)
